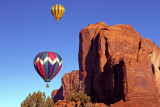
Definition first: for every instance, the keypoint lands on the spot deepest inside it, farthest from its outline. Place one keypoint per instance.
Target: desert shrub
(37, 100)
(78, 96)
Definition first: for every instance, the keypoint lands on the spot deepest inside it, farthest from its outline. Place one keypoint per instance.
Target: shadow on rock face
(108, 86)
(153, 70)
(59, 95)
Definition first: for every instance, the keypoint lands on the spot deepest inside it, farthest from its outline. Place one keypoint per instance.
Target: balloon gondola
(47, 65)
(47, 86)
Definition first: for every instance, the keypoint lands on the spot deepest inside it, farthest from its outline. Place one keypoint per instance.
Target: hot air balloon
(47, 65)
(57, 11)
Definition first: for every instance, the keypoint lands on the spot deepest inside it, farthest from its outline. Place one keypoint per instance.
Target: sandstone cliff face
(117, 67)
(116, 63)
(69, 81)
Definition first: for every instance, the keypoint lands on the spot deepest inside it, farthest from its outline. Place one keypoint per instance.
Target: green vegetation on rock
(78, 95)
(37, 100)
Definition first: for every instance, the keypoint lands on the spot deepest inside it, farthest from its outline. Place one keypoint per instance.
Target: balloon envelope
(57, 11)
(47, 65)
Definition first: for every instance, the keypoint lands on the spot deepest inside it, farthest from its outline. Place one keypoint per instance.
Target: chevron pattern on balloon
(49, 60)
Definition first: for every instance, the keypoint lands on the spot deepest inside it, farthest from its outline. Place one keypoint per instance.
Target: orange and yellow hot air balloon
(57, 11)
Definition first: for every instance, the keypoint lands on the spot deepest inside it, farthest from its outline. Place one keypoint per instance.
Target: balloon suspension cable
(57, 21)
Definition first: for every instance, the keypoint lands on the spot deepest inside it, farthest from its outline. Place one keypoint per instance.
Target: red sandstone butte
(116, 66)
(69, 81)
(116, 63)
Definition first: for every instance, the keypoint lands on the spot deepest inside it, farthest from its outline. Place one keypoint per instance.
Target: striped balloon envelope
(57, 11)
(47, 65)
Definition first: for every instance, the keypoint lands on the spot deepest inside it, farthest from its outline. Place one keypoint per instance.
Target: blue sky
(27, 27)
